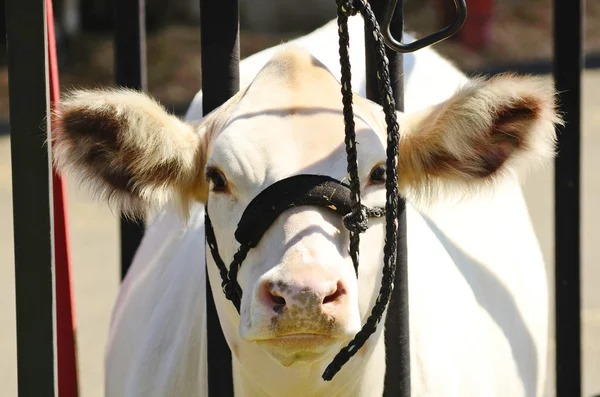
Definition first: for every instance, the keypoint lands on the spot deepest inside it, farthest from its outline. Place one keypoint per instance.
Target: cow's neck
(257, 375)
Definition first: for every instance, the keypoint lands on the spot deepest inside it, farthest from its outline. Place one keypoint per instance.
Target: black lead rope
(327, 192)
(319, 190)
(346, 9)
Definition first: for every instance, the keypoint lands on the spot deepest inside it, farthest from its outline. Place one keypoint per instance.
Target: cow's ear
(487, 129)
(130, 150)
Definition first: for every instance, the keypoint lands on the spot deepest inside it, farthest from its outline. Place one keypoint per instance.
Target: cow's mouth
(301, 347)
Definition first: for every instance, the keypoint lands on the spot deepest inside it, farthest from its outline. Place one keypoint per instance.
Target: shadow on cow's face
(301, 298)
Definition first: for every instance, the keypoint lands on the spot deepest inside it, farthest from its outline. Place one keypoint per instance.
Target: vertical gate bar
(130, 72)
(568, 65)
(397, 338)
(32, 202)
(66, 349)
(220, 45)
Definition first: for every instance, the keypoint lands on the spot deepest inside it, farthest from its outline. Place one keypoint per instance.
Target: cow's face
(300, 292)
(301, 298)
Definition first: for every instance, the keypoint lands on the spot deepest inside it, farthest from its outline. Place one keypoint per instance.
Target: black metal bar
(220, 41)
(397, 382)
(220, 52)
(32, 188)
(132, 232)
(130, 72)
(568, 65)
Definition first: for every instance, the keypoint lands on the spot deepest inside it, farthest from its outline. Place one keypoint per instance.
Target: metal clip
(448, 31)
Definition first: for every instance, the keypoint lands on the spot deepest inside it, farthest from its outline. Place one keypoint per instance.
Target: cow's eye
(377, 176)
(216, 179)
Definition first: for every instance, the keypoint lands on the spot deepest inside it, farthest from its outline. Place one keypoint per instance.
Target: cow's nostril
(278, 300)
(338, 293)
(271, 298)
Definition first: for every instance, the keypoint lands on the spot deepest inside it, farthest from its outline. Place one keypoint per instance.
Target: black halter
(289, 192)
(263, 210)
(345, 200)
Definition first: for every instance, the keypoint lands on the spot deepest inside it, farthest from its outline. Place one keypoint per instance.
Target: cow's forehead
(290, 119)
(293, 77)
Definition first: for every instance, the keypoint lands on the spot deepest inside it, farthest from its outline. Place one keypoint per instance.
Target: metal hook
(448, 31)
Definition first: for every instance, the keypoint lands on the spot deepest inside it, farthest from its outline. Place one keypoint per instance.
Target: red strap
(65, 318)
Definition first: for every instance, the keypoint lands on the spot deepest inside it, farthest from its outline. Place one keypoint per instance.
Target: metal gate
(33, 215)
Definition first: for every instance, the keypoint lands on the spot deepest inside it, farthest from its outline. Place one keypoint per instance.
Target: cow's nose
(311, 294)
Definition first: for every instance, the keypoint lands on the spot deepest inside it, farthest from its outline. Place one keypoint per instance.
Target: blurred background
(496, 31)
(498, 35)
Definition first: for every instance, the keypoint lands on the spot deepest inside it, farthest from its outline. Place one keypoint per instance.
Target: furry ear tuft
(486, 130)
(128, 148)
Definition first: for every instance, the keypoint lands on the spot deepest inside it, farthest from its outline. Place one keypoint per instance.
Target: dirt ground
(521, 30)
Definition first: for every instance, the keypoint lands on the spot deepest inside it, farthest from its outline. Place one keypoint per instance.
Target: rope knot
(356, 221)
(229, 290)
(347, 7)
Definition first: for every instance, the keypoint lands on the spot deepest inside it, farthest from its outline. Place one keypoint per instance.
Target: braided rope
(229, 285)
(347, 8)
(238, 258)
(356, 221)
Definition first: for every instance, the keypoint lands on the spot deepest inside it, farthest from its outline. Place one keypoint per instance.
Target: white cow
(478, 289)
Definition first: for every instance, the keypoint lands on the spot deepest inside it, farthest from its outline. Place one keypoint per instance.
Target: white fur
(478, 289)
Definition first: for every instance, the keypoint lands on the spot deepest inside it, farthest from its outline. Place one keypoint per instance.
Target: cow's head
(301, 298)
